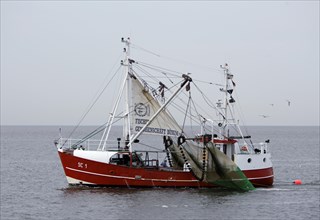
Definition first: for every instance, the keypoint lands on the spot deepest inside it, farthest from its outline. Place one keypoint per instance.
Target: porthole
(264, 159)
(249, 160)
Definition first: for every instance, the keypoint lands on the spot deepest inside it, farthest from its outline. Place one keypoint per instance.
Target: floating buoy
(297, 182)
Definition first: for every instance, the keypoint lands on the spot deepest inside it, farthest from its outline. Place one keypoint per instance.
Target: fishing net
(210, 165)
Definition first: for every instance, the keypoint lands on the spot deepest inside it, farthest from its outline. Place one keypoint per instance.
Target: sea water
(33, 185)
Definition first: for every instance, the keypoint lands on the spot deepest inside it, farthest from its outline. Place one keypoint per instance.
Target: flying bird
(289, 102)
(265, 116)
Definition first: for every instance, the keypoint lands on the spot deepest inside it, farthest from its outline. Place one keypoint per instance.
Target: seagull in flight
(289, 102)
(265, 116)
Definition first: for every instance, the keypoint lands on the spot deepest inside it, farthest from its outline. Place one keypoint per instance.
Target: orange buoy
(297, 182)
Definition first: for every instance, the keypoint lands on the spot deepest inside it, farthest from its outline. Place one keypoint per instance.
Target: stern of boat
(256, 163)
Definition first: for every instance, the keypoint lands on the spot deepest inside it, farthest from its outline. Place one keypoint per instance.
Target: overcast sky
(55, 54)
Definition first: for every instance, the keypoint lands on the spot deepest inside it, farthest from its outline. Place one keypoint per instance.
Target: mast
(229, 90)
(226, 102)
(127, 70)
(124, 86)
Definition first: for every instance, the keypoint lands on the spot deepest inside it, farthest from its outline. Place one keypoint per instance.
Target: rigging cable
(145, 50)
(173, 59)
(151, 147)
(185, 115)
(90, 107)
(207, 100)
(91, 134)
(241, 115)
(160, 69)
(96, 131)
(176, 106)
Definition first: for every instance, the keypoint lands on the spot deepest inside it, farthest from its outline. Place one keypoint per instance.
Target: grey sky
(55, 54)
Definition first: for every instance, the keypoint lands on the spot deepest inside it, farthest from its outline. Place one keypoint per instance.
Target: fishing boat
(170, 137)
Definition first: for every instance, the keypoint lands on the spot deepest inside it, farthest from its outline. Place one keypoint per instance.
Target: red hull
(96, 173)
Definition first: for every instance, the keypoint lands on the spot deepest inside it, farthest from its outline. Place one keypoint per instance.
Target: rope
(90, 107)
(160, 150)
(173, 59)
(160, 69)
(145, 50)
(96, 131)
(185, 115)
(91, 134)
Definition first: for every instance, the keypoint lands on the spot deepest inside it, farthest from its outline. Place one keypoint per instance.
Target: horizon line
(122, 125)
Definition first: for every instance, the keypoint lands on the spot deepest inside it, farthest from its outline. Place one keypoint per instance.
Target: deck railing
(89, 144)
